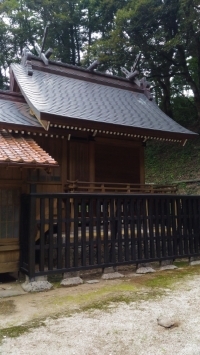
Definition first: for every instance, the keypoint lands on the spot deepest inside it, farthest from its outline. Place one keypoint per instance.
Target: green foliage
(184, 110)
(165, 31)
(167, 162)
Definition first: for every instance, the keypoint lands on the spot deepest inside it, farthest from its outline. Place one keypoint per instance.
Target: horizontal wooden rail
(83, 186)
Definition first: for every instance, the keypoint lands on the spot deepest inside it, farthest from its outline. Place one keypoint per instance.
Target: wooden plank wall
(118, 161)
(79, 160)
(105, 160)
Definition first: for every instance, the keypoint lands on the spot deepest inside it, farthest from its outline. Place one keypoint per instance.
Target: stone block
(92, 281)
(71, 281)
(36, 286)
(112, 275)
(167, 265)
(194, 260)
(145, 270)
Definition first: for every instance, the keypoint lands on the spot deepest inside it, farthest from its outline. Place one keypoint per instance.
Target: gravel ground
(122, 329)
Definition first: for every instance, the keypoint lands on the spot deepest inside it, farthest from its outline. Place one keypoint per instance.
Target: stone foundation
(36, 284)
(144, 268)
(110, 273)
(167, 265)
(71, 279)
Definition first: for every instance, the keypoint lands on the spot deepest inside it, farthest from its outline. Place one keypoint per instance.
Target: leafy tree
(167, 33)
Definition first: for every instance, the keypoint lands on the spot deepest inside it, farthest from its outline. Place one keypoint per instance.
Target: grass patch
(122, 298)
(16, 331)
(170, 277)
(93, 296)
(55, 280)
(181, 263)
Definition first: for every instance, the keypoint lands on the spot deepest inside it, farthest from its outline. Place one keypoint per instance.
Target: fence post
(24, 227)
(31, 236)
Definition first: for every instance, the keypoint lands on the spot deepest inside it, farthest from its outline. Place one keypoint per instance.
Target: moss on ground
(16, 331)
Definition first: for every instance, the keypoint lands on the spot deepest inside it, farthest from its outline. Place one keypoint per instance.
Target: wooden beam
(136, 132)
(118, 141)
(84, 74)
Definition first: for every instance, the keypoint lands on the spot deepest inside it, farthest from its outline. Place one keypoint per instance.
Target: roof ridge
(80, 69)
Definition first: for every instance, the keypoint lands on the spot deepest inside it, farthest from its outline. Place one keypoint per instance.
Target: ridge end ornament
(44, 56)
(132, 75)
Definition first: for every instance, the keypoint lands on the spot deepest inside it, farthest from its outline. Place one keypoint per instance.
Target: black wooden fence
(75, 231)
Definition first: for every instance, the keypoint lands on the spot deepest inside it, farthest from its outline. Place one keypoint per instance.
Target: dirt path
(115, 317)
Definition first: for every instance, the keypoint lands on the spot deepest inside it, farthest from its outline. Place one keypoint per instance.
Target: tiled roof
(17, 149)
(17, 113)
(74, 98)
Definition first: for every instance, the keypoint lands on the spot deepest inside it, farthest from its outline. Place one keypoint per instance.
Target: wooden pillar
(92, 161)
(142, 166)
(25, 186)
(64, 165)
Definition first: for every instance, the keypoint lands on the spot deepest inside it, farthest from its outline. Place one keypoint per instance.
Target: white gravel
(122, 329)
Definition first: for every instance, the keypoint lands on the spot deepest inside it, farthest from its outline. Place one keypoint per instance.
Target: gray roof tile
(16, 113)
(73, 98)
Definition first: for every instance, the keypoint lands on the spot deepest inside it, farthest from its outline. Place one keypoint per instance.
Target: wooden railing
(103, 187)
(83, 231)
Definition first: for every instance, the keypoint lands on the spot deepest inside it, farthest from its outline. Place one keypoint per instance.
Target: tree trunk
(189, 79)
(165, 99)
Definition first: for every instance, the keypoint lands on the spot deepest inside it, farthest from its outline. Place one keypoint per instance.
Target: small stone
(166, 322)
(36, 286)
(92, 281)
(196, 262)
(111, 276)
(168, 267)
(144, 270)
(71, 281)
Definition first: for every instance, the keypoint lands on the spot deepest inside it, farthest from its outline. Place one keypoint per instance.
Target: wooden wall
(119, 162)
(79, 160)
(11, 187)
(101, 160)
